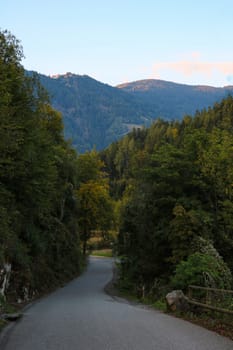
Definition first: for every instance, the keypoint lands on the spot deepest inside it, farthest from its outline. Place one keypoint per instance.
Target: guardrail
(220, 300)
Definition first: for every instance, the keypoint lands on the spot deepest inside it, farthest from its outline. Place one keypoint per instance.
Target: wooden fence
(219, 300)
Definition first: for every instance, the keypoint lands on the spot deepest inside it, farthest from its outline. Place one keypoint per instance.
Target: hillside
(172, 100)
(174, 182)
(96, 114)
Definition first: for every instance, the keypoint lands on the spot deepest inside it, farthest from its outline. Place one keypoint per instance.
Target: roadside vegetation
(173, 185)
(51, 198)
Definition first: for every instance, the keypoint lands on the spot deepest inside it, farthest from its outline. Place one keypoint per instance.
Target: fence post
(190, 294)
(209, 298)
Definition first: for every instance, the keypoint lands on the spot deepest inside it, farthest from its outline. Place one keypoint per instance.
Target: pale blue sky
(115, 41)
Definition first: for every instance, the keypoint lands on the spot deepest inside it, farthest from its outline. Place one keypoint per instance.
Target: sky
(118, 41)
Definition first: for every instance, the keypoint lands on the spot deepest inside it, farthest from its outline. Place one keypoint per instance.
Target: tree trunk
(84, 247)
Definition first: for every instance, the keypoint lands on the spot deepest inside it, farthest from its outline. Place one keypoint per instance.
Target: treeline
(50, 198)
(174, 186)
(95, 114)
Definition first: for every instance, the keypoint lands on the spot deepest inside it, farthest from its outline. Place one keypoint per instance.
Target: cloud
(193, 66)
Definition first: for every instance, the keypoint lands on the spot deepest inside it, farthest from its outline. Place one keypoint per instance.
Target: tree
(90, 167)
(177, 188)
(94, 209)
(93, 201)
(38, 179)
(216, 168)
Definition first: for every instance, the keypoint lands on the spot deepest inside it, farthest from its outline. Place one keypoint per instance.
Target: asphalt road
(81, 316)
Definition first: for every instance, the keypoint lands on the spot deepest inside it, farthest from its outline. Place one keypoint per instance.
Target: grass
(106, 253)
(5, 308)
(158, 304)
(3, 323)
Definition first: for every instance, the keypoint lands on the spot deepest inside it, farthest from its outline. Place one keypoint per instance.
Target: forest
(173, 183)
(50, 196)
(96, 114)
(167, 190)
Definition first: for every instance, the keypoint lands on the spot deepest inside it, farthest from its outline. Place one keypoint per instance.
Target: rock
(5, 273)
(177, 301)
(11, 317)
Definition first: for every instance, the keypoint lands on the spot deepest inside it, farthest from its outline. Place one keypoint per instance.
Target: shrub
(202, 270)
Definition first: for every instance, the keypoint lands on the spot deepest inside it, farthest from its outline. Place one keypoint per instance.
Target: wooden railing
(219, 300)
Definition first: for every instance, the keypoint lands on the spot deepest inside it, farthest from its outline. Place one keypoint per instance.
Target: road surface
(81, 316)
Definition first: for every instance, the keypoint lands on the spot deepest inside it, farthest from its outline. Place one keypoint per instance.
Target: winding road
(81, 316)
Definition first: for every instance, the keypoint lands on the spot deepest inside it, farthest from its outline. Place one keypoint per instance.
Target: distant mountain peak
(96, 114)
(65, 75)
(148, 84)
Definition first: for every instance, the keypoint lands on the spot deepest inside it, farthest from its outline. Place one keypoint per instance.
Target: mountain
(172, 100)
(97, 114)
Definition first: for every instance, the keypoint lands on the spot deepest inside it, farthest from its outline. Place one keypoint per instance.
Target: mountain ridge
(162, 82)
(96, 114)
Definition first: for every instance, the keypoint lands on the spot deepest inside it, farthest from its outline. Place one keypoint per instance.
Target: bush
(202, 270)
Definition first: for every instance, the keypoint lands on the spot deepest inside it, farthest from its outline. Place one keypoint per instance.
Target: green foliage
(174, 183)
(197, 269)
(90, 167)
(38, 178)
(96, 114)
(94, 206)
(206, 247)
